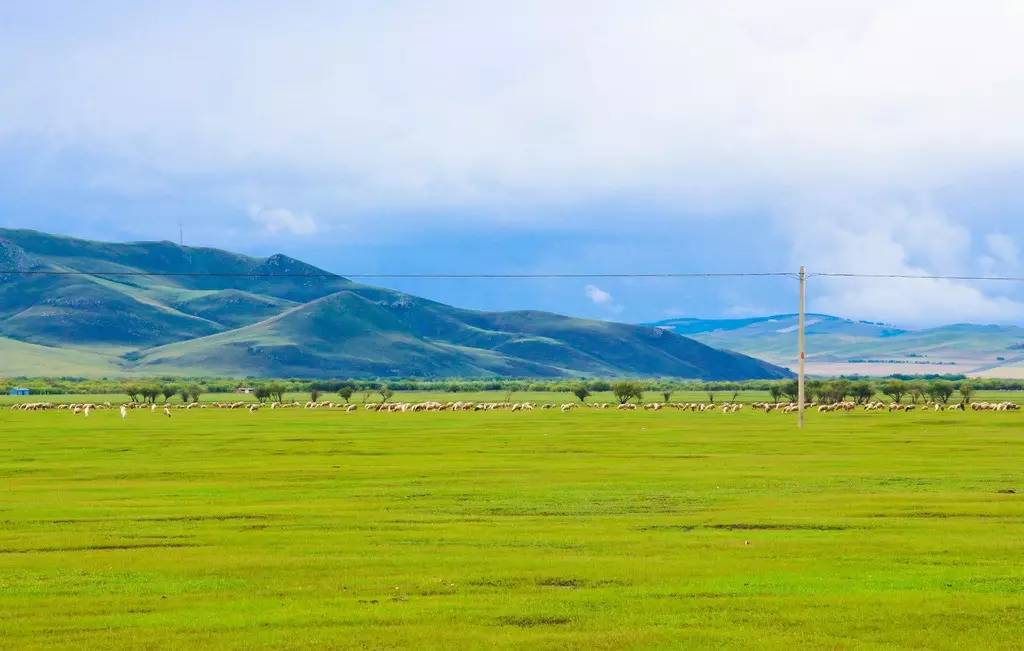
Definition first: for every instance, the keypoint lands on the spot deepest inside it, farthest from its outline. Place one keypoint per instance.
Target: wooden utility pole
(802, 352)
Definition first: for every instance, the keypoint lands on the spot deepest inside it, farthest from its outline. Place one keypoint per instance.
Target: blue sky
(544, 136)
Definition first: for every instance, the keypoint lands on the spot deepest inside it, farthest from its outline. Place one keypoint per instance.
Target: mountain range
(838, 346)
(79, 307)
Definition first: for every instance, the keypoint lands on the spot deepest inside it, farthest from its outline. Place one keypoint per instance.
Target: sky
(549, 136)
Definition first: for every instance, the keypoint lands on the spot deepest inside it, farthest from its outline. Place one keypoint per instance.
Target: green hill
(302, 322)
(24, 359)
(844, 346)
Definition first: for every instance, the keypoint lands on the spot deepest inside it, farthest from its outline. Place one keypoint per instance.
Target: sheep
(124, 412)
(167, 411)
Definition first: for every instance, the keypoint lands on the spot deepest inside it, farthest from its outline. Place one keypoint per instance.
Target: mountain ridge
(204, 311)
(836, 345)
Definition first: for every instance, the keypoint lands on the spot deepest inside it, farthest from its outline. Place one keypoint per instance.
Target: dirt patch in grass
(668, 527)
(163, 518)
(941, 515)
(561, 582)
(532, 621)
(771, 526)
(94, 548)
(748, 526)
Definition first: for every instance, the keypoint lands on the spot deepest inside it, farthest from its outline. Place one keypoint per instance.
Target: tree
(276, 390)
(815, 390)
(261, 393)
(917, 390)
(862, 391)
(168, 391)
(626, 391)
(195, 392)
(966, 392)
(791, 390)
(940, 391)
(711, 389)
(775, 391)
(385, 393)
(667, 395)
(150, 392)
(834, 391)
(581, 392)
(183, 392)
(509, 390)
(346, 391)
(314, 395)
(133, 391)
(895, 389)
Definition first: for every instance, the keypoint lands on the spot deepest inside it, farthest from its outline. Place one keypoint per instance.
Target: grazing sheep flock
(85, 409)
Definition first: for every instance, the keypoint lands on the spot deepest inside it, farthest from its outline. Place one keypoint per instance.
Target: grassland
(22, 359)
(592, 529)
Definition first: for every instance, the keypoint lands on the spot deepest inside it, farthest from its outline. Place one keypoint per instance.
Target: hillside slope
(281, 317)
(844, 346)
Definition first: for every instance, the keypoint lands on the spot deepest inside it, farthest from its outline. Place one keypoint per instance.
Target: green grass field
(295, 528)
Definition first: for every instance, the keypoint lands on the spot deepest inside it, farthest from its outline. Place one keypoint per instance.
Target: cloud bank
(282, 220)
(862, 134)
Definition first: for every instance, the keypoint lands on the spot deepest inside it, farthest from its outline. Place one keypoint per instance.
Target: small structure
(245, 390)
(19, 391)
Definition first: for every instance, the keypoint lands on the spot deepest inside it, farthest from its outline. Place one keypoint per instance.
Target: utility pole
(181, 235)
(802, 352)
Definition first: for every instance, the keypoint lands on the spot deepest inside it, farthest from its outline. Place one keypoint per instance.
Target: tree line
(938, 388)
(151, 392)
(861, 391)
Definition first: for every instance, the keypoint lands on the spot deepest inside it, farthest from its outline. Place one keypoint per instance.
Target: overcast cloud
(747, 135)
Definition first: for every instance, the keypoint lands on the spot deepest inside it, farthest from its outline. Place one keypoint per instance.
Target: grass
(23, 359)
(592, 529)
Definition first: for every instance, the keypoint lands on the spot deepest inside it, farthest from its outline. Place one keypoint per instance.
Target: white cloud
(785, 108)
(1002, 249)
(597, 295)
(897, 240)
(603, 299)
(282, 220)
(470, 103)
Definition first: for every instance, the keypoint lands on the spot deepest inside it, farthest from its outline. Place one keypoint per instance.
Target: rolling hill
(278, 316)
(843, 346)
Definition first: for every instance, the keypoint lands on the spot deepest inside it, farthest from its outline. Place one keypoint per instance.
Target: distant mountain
(302, 322)
(843, 346)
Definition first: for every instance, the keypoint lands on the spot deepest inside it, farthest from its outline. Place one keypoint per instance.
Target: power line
(917, 276)
(242, 274)
(509, 276)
